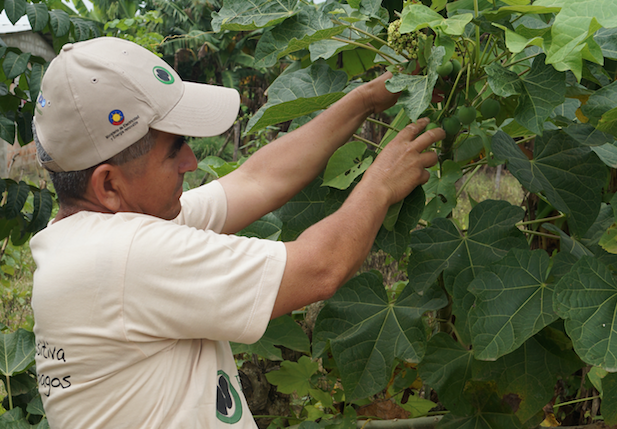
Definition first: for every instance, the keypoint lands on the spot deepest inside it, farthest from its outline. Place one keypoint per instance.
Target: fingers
(428, 138)
(411, 131)
(410, 135)
(428, 159)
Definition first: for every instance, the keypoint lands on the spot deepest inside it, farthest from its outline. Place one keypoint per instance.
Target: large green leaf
(446, 367)
(590, 243)
(607, 40)
(417, 90)
(395, 241)
(587, 135)
(491, 411)
(587, 299)
(441, 189)
(15, 9)
(16, 352)
(43, 205)
(15, 198)
(366, 332)
(328, 48)
(442, 247)
(607, 153)
(600, 102)
(83, 29)
(36, 75)
(296, 33)
(268, 227)
(541, 91)
(14, 419)
(609, 400)
(345, 165)
(38, 15)
(572, 32)
(282, 331)
(246, 15)
(569, 174)
(514, 301)
(35, 407)
(531, 371)
(299, 93)
(294, 376)
(303, 210)
(418, 16)
(60, 22)
(15, 64)
(503, 82)
(7, 129)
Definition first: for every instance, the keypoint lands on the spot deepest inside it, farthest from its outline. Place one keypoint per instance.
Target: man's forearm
(295, 159)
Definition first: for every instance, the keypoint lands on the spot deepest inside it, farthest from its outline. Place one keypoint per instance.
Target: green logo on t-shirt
(228, 404)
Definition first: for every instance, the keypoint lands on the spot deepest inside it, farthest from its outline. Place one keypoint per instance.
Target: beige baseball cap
(100, 96)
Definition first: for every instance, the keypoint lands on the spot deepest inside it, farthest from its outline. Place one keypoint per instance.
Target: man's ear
(106, 185)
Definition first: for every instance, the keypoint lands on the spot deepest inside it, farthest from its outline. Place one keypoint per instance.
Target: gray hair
(72, 185)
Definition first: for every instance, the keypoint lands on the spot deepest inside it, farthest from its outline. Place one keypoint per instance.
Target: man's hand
(375, 95)
(402, 164)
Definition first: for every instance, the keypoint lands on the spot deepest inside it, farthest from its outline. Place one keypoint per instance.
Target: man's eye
(177, 147)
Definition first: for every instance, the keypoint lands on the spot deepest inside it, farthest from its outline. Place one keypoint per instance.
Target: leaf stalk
(363, 140)
(576, 401)
(387, 57)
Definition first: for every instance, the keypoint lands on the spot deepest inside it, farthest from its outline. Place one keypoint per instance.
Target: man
(139, 288)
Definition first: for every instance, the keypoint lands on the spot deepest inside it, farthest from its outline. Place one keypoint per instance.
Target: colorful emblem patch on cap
(163, 75)
(116, 117)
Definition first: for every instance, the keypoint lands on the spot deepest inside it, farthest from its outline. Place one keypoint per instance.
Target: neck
(76, 206)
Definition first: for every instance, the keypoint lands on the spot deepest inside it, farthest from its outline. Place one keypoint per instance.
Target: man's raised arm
(281, 169)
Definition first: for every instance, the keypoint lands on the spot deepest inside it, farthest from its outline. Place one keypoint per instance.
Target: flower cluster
(404, 42)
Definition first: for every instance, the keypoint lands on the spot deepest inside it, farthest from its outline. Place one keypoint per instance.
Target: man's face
(154, 181)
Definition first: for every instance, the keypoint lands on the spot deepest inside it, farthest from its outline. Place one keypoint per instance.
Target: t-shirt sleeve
(184, 283)
(204, 207)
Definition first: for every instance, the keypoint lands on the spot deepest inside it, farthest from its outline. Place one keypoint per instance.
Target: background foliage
(504, 317)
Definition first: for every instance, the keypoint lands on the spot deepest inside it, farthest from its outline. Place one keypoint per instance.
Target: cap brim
(203, 111)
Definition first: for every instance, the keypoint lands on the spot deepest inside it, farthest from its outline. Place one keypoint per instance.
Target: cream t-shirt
(134, 315)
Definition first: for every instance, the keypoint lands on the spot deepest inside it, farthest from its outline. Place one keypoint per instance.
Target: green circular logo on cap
(163, 75)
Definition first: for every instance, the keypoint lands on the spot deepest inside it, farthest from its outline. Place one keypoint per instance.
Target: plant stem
(467, 83)
(383, 124)
(526, 139)
(473, 173)
(546, 219)
(437, 413)
(541, 234)
(4, 245)
(488, 43)
(363, 140)
(366, 33)
(575, 401)
(387, 57)
(480, 94)
(445, 107)
(8, 392)
(477, 13)
(474, 164)
(521, 60)
(458, 337)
